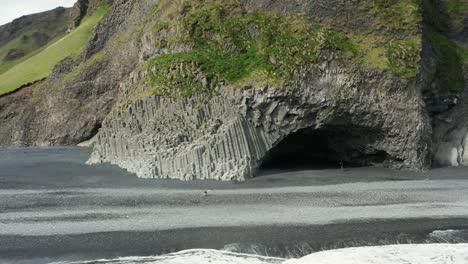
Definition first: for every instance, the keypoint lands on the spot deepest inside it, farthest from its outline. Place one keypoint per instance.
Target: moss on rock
(229, 45)
(451, 60)
(404, 57)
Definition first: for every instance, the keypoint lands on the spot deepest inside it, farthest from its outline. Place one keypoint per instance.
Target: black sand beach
(54, 207)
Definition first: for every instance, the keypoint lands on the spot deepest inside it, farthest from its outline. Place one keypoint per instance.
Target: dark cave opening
(331, 148)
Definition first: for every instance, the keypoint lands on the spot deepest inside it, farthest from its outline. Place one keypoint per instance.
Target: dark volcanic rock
(335, 111)
(360, 116)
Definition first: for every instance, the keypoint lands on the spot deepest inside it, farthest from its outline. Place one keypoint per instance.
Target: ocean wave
(194, 256)
(393, 254)
(449, 236)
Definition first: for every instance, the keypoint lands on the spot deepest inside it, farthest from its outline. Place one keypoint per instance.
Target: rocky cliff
(219, 126)
(213, 89)
(70, 105)
(228, 136)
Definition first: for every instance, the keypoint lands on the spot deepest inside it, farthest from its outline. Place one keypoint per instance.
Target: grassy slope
(30, 49)
(31, 46)
(42, 64)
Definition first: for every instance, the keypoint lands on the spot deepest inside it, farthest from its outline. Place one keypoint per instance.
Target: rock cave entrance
(324, 149)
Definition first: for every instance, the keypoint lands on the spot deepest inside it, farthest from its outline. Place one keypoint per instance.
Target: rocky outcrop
(451, 134)
(77, 13)
(82, 8)
(227, 138)
(446, 94)
(365, 116)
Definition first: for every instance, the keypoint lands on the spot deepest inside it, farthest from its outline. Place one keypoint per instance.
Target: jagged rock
(77, 13)
(386, 113)
(451, 135)
(81, 8)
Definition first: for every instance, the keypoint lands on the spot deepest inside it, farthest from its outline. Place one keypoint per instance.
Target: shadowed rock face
(330, 147)
(451, 134)
(378, 118)
(449, 110)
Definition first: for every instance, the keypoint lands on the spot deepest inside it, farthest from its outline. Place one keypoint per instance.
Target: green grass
(404, 57)
(394, 15)
(457, 11)
(30, 39)
(41, 65)
(456, 6)
(30, 49)
(464, 55)
(398, 14)
(451, 59)
(231, 45)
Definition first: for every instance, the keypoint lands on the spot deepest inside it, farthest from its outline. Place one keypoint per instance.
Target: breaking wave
(393, 254)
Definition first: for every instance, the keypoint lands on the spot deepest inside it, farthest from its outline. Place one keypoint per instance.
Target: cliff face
(214, 89)
(70, 105)
(365, 118)
(227, 129)
(446, 62)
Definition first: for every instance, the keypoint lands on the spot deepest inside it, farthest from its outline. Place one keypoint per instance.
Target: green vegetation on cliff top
(41, 65)
(232, 46)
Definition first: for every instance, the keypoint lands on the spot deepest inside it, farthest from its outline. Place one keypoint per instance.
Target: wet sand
(53, 206)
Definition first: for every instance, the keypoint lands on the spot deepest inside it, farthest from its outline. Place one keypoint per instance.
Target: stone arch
(311, 148)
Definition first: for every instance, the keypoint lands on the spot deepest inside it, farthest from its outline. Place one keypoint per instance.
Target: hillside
(27, 35)
(40, 65)
(216, 89)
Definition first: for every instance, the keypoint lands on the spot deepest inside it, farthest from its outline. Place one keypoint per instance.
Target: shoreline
(274, 241)
(55, 207)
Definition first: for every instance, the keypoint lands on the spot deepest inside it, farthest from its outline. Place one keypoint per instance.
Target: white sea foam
(395, 254)
(195, 256)
(449, 236)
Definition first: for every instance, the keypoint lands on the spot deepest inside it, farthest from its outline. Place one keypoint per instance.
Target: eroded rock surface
(227, 137)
